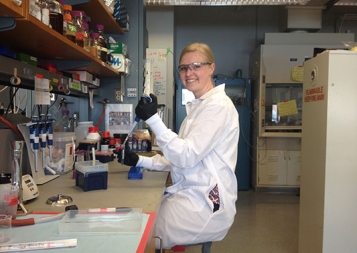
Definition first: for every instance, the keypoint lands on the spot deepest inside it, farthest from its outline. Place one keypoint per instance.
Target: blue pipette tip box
(91, 175)
(135, 173)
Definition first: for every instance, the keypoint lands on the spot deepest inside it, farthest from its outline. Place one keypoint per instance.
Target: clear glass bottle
(74, 122)
(93, 44)
(64, 123)
(79, 39)
(77, 20)
(86, 39)
(103, 42)
(56, 15)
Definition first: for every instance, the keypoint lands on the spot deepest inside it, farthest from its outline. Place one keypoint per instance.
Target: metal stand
(16, 171)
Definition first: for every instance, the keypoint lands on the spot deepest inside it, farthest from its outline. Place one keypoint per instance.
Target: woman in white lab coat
(200, 205)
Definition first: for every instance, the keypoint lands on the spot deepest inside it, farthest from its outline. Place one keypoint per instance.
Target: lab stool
(206, 248)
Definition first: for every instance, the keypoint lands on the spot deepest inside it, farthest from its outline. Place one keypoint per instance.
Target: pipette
(35, 140)
(137, 119)
(43, 138)
(50, 134)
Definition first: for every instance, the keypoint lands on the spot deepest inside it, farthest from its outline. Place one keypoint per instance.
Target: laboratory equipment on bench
(16, 171)
(31, 133)
(29, 188)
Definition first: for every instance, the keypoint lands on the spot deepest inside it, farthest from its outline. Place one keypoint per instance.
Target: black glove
(144, 109)
(130, 158)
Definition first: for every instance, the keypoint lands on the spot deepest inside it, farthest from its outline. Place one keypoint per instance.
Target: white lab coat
(202, 155)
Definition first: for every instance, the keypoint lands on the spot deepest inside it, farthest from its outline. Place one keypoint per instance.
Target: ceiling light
(346, 3)
(229, 2)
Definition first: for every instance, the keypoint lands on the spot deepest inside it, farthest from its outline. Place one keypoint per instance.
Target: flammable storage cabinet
(328, 193)
(276, 70)
(240, 91)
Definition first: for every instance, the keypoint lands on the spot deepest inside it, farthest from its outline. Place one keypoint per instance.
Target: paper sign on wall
(42, 90)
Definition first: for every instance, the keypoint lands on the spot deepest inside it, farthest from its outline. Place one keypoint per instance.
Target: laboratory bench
(142, 193)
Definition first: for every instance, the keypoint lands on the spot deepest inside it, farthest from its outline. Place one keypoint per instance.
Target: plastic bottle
(66, 10)
(35, 9)
(93, 44)
(103, 42)
(93, 134)
(70, 31)
(81, 131)
(104, 143)
(45, 12)
(63, 124)
(56, 15)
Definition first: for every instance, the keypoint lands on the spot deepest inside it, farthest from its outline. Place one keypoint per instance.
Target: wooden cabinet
(16, 9)
(32, 37)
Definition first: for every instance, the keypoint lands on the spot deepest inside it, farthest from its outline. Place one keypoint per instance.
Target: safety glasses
(192, 66)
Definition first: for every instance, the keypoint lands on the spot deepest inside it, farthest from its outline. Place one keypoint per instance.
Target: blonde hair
(202, 48)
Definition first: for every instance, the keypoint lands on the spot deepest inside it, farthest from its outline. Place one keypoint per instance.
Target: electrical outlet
(118, 95)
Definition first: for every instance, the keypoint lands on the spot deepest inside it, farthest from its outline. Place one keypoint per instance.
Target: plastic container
(91, 175)
(9, 199)
(81, 130)
(88, 222)
(63, 152)
(93, 134)
(135, 173)
(104, 143)
(87, 167)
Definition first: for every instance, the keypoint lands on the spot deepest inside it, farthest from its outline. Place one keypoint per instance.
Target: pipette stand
(38, 175)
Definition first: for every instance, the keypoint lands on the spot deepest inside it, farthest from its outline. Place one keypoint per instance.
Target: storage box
(118, 48)
(92, 181)
(97, 222)
(117, 62)
(84, 76)
(135, 173)
(27, 58)
(91, 176)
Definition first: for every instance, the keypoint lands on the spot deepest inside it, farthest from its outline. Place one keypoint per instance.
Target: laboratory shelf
(32, 37)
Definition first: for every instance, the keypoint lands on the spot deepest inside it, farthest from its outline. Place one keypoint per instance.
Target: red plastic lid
(111, 142)
(106, 134)
(79, 35)
(93, 129)
(117, 140)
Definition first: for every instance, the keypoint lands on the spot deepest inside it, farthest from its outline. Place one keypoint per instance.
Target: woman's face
(196, 73)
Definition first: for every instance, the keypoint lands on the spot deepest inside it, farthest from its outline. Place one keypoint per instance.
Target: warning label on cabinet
(314, 94)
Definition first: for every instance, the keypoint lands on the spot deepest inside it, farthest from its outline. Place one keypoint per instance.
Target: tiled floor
(265, 223)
